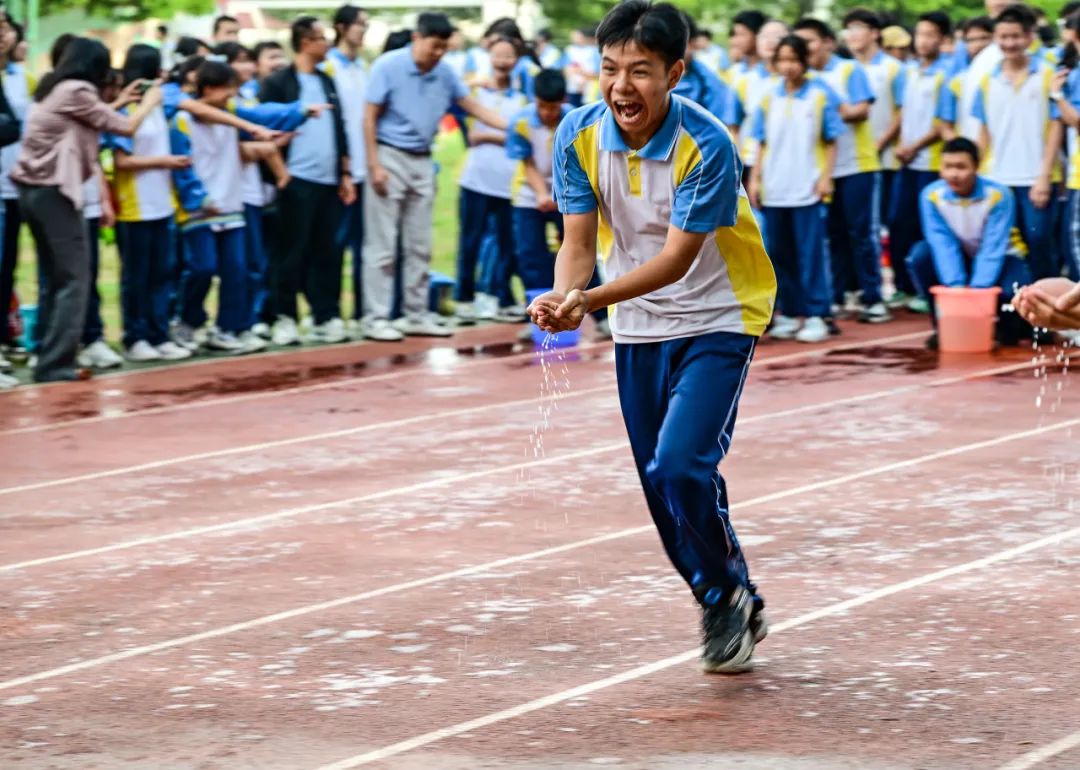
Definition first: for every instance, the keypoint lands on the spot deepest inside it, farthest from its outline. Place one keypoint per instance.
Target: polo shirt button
(633, 172)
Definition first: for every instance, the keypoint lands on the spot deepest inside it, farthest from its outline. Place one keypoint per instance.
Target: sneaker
(424, 325)
(784, 327)
(513, 314)
(170, 351)
(355, 329)
(262, 330)
(285, 332)
(142, 351)
(465, 313)
(333, 331)
(918, 305)
(487, 307)
(98, 355)
(728, 642)
(184, 336)
(898, 299)
(7, 382)
(932, 342)
(759, 624)
(226, 342)
(252, 342)
(814, 330)
(875, 314)
(852, 302)
(381, 330)
(603, 330)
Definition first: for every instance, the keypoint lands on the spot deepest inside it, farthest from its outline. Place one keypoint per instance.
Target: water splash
(554, 385)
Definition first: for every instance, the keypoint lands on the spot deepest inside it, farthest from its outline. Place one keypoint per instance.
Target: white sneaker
(184, 336)
(381, 330)
(98, 355)
(227, 342)
(170, 351)
(852, 302)
(424, 325)
(875, 314)
(142, 351)
(285, 332)
(7, 382)
(487, 307)
(261, 330)
(814, 330)
(7, 366)
(465, 312)
(330, 332)
(514, 314)
(354, 329)
(252, 342)
(784, 327)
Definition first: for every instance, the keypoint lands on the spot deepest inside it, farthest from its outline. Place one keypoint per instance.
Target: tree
(130, 10)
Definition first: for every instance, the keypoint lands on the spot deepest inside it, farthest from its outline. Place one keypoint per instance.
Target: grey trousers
(406, 209)
(60, 232)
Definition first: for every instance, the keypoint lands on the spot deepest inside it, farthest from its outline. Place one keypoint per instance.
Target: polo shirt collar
(659, 147)
(977, 194)
(338, 55)
(782, 89)
(411, 67)
(1033, 65)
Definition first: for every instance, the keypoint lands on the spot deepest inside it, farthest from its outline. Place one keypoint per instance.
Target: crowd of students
(261, 172)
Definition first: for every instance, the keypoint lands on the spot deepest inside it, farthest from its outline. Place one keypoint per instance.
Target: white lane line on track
(455, 479)
(389, 425)
(1043, 753)
(639, 672)
(347, 383)
(309, 609)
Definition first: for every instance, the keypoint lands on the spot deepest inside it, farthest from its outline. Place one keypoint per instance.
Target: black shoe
(759, 624)
(728, 642)
(932, 342)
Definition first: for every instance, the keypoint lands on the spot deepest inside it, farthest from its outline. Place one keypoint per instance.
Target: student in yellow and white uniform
(144, 222)
(749, 78)
(853, 226)
(1021, 134)
(656, 181)
(862, 35)
(796, 126)
(927, 105)
(485, 192)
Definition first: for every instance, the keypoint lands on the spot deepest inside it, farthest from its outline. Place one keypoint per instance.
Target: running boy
(656, 180)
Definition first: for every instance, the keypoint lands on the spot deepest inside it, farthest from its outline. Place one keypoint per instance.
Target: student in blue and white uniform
(345, 65)
(550, 56)
(927, 105)
(655, 181)
(970, 228)
(699, 84)
(581, 60)
(713, 56)
(854, 227)
(1020, 134)
(796, 127)
(485, 192)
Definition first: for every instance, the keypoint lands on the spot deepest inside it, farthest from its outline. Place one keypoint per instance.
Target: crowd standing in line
(951, 147)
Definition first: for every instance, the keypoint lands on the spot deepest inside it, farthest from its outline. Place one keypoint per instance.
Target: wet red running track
(378, 556)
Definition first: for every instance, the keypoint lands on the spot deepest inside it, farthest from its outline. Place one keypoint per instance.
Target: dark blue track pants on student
(1037, 229)
(476, 208)
(147, 252)
(799, 252)
(855, 236)
(679, 399)
(256, 259)
(535, 262)
(905, 223)
(206, 254)
(350, 235)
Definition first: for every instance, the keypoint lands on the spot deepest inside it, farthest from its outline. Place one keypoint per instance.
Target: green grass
(450, 155)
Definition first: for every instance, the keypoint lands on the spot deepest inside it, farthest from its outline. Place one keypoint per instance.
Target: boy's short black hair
(659, 28)
(265, 45)
(589, 31)
(212, 74)
(703, 32)
(434, 25)
(189, 46)
(301, 30)
(752, 20)
(985, 23)
(224, 20)
(939, 19)
(962, 144)
(798, 47)
(549, 86)
(865, 16)
(545, 35)
(232, 51)
(817, 26)
(397, 39)
(1017, 14)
